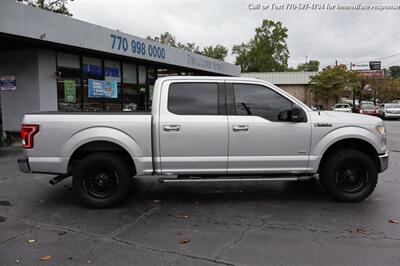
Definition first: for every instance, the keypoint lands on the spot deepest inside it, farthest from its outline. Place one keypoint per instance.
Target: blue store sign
(102, 89)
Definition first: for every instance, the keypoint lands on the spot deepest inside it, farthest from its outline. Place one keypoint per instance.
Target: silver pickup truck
(207, 129)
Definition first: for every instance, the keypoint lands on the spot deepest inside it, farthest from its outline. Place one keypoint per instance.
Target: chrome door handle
(172, 127)
(240, 128)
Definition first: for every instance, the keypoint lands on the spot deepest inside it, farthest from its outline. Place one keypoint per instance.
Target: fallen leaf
(89, 261)
(31, 241)
(61, 233)
(362, 231)
(183, 216)
(17, 261)
(47, 257)
(393, 221)
(156, 201)
(184, 241)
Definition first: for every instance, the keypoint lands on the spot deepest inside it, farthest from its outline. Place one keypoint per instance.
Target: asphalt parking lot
(283, 223)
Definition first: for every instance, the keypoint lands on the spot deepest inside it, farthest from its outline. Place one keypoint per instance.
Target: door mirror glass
(297, 114)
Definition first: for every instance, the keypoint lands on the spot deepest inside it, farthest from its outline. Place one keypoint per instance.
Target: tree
(168, 39)
(267, 51)
(217, 52)
(312, 65)
(331, 82)
(384, 88)
(395, 71)
(56, 6)
(190, 47)
(165, 38)
(242, 56)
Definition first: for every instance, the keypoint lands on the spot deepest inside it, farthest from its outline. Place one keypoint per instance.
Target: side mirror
(297, 114)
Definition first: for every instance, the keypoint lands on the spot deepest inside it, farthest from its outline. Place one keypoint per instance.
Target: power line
(381, 58)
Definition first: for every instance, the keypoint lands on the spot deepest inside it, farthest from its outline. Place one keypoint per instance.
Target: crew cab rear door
(193, 128)
(261, 138)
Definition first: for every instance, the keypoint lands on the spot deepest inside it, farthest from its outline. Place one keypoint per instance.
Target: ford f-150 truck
(204, 129)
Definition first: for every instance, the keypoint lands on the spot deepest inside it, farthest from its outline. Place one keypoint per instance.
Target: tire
(101, 180)
(349, 175)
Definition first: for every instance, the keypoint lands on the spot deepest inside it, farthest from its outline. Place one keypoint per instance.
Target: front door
(193, 129)
(261, 139)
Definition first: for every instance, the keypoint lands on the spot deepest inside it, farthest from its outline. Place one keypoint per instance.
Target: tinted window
(260, 101)
(193, 98)
(368, 106)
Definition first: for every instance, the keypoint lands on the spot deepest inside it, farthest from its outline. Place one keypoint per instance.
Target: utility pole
(354, 89)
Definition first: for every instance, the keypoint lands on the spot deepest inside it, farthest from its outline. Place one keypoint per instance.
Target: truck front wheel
(101, 180)
(349, 175)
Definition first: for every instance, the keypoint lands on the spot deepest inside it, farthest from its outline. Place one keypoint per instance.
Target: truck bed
(61, 133)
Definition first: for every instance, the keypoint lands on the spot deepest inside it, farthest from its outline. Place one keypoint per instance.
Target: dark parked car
(367, 109)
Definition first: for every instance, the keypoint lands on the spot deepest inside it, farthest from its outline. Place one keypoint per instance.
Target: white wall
(47, 80)
(36, 85)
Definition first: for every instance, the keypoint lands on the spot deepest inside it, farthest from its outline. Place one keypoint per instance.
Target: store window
(151, 79)
(143, 87)
(92, 71)
(130, 89)
(112, 77)
(69, 82)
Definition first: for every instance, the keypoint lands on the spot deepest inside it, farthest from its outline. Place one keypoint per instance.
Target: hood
(348, 118)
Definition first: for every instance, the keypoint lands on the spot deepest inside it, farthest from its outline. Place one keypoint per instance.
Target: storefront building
(50, 62)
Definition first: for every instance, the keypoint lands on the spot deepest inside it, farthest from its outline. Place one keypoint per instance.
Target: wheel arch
(350, 143)
(101, 146)
(97, 139)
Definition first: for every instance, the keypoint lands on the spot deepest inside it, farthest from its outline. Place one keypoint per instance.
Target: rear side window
(260, 101)
(193, 98)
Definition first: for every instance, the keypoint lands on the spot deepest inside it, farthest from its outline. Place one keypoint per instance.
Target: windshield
(368, 106)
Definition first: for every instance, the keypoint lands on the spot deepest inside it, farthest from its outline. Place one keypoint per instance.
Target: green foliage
(312, 65)
(168, 39)
(385, 89)
(190, 47)
(332, 81)
(395, 71)
(216, 52)
(242, 56)
(56, 6)
(267, 51)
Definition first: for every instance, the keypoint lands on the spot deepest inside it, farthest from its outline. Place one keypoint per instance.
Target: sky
(314, 33)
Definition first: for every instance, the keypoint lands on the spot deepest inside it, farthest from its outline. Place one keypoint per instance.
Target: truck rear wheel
(349, 175)
(101, 180)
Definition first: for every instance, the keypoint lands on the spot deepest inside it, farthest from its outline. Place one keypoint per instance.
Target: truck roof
(213, 78)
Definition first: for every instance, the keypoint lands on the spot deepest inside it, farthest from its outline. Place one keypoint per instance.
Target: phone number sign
(123, 44)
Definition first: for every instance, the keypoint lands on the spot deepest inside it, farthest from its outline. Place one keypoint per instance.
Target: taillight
(27, 133)
(361, 111)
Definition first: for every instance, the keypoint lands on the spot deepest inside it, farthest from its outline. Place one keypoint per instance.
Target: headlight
(381, 129)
